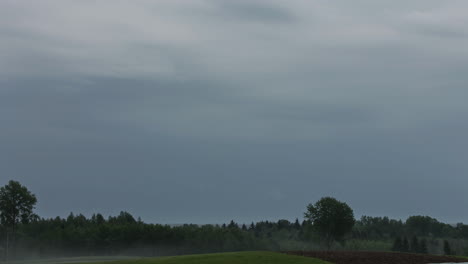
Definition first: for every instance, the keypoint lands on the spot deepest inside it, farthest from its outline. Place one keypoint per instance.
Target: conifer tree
(447, 249)
(405, 245)
(414, 245)
(233, 225)
(297, 225)
(423, 246)
(397, 244)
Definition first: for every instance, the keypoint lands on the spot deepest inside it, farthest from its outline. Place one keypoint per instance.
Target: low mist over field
(207, 111)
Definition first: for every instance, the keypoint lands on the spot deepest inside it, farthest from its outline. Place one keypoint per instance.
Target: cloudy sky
(207, 111)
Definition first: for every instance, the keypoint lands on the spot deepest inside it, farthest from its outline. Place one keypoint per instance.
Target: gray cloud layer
(206, 111)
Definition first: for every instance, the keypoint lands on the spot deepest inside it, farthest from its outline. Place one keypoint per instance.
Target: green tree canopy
(16, 204)
(424, 226)
(331, 218)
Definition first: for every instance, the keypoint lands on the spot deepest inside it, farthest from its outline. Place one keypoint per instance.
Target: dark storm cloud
(215, 110)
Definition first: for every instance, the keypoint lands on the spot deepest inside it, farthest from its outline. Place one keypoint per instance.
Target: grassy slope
(254, 257)
(75, 260)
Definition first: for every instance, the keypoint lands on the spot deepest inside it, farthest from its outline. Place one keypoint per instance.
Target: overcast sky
(207, 111)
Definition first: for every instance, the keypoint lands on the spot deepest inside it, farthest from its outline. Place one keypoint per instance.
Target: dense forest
(126, 235)
(329, 224)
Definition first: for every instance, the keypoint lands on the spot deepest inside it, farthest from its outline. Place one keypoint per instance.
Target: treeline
(418, 234)
(416, 246)
(376, 228)
(78, 235)
(329, 224)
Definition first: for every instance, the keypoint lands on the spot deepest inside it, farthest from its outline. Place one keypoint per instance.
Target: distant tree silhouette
(331, 218)
(423, 246)
(423, 225)
(233, 225)
(447, 249)
(405, 245)
(100, 219)
(397, 244)
(414, 245)
(16, 206)
(282, 224)
(297, 225)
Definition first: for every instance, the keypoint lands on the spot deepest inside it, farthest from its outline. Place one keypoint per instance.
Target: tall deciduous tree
(16, 206)
(331, 218)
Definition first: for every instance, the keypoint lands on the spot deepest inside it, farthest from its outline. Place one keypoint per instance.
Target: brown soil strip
(359, 257)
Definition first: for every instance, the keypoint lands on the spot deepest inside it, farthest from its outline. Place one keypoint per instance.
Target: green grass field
(255, 257)
(76, 260)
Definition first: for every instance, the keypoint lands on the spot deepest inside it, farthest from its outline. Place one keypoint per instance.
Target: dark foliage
(16, 206)
(405, 247)
(397, 245)
(423, 247)
(414, 247)
(417, 245)
(331, 218)
(77, 235)
(447, 249)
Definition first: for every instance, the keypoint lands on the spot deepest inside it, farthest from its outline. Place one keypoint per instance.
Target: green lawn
(256, 257)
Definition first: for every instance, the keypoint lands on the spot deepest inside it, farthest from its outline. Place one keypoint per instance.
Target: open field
(263, 257)
(255, 257)
(359, 257)
(74, 260)
(228, 258)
